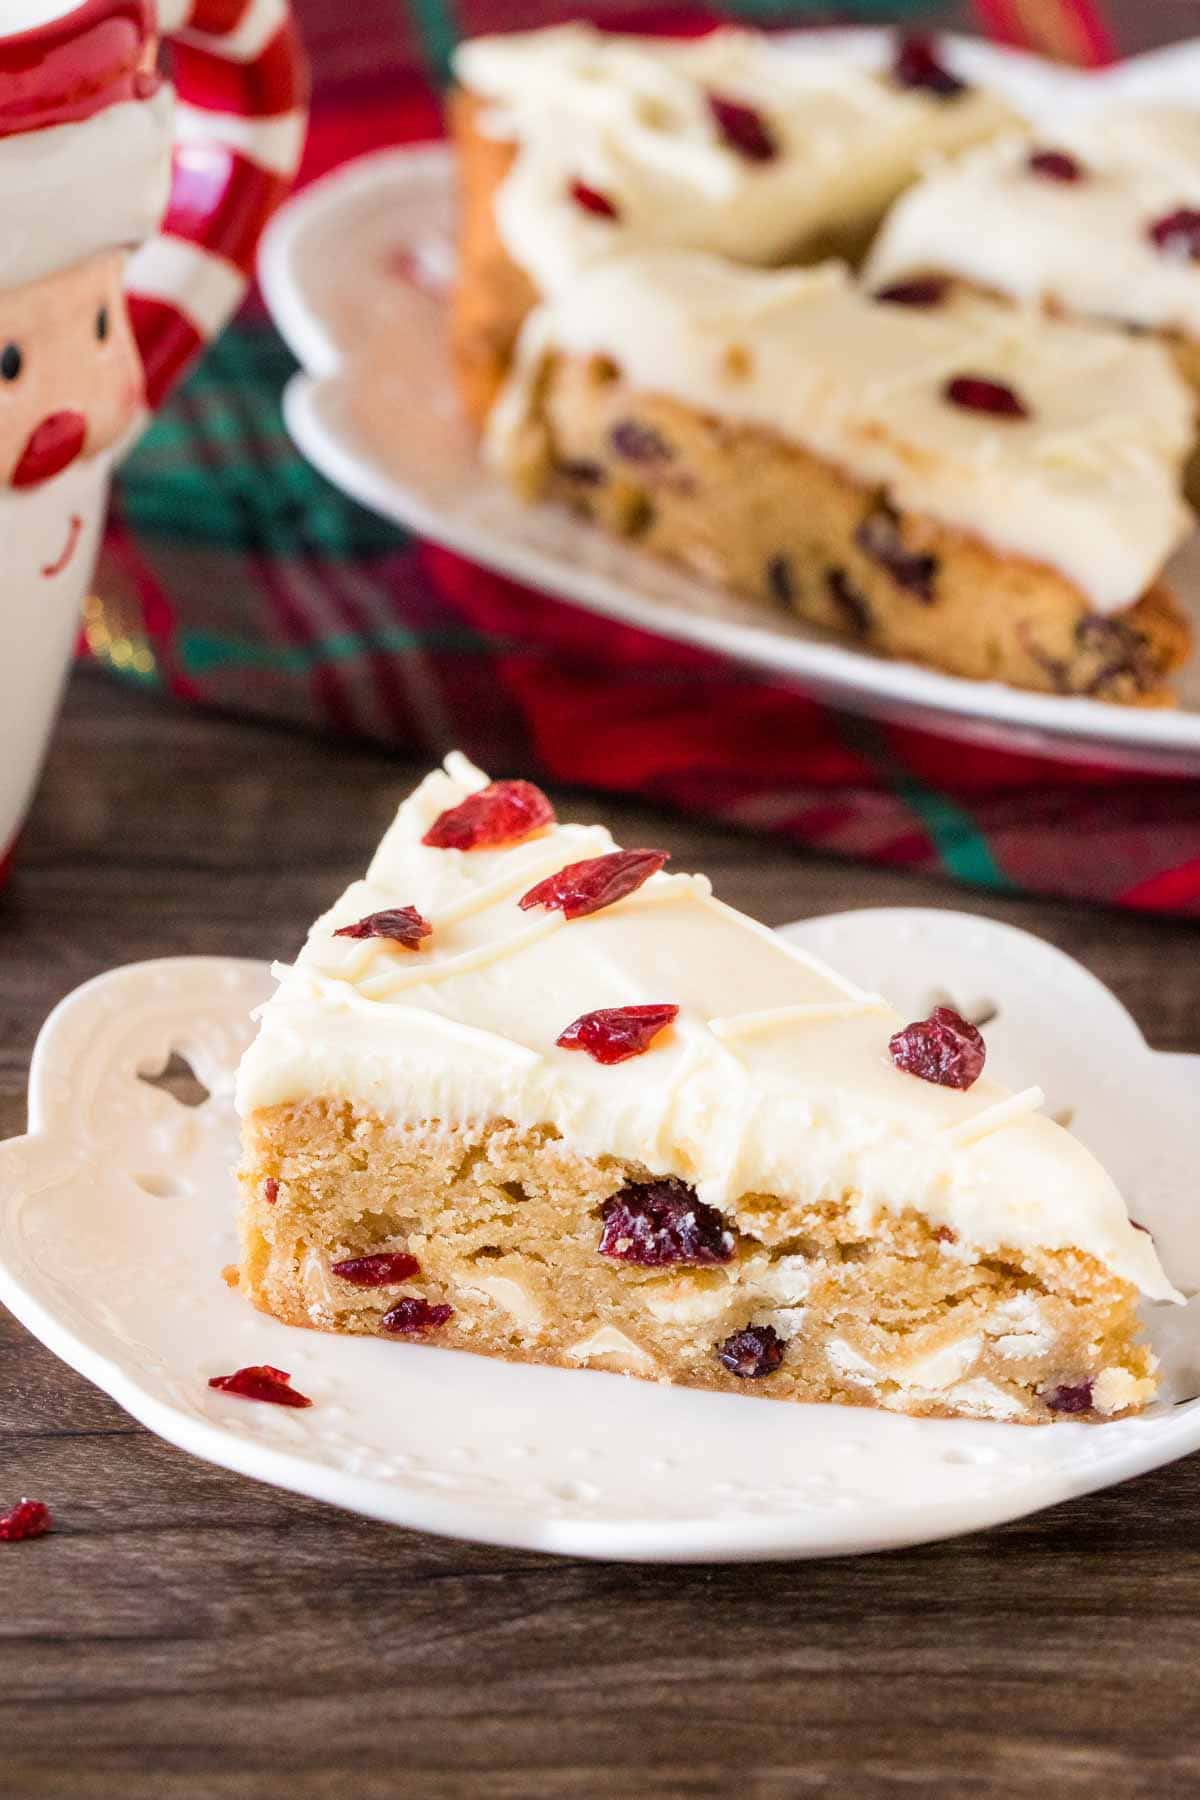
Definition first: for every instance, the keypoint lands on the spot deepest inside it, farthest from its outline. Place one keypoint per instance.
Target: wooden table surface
(188, 1633)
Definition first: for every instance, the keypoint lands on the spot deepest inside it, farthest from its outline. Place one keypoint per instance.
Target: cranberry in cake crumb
(756, 1351)
(879, 538)
(385, 1269)
(639, 443)
(918, 65)
(923, 290)
(27, 1519)
(503, 812)
(780, 579)
(401, 925)
(412, 1316)
(261, 1382)
(1074, 1399)
(599, 881)
(1056, 165)
(850, 601)
(743, 128)
(943, 1048)
(979, 393)
(270, 1190)
(615, 1033)
(1178, 234)
(656, 1223)
(591, 200)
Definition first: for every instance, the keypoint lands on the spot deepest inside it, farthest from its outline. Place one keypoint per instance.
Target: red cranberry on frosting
(944, 1049)
(980, 393)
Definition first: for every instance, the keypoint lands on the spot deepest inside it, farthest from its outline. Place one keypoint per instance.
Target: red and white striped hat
(85, 132)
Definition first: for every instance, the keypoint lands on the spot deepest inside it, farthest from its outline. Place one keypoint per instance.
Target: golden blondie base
(505, 1226)
(739, 506)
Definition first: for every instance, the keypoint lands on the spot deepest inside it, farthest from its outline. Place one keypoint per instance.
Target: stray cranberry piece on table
(615, 1033)
(591, 200)
(979, 393)
(918, 65)
(1056, 165)
(653, 1224)
(943, 1048)
(743, 129)
(585, 887)
(504, 812)
(401, 925)
(383, 1269)
(28, 1519)
(756, 1351)
(412, 1315)
(261, 1382)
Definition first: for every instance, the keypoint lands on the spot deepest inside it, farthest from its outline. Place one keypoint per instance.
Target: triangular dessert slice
(529, 1094)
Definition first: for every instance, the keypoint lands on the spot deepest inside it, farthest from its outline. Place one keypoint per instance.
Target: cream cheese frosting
(1083, 245)
(631, 118)
(774, 1079)
(1088, 484)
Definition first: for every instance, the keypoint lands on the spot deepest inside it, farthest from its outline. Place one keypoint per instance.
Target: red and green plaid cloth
(235, 577)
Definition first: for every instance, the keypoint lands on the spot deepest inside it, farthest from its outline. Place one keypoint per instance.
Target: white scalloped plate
(116, 1218)
(329, 272)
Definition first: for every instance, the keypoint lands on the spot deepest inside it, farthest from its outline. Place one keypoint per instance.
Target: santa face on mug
(70, 390)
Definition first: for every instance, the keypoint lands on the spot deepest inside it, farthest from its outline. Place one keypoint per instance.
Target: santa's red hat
(85, 132)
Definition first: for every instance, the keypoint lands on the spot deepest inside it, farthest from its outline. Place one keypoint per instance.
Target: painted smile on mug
(52, 447)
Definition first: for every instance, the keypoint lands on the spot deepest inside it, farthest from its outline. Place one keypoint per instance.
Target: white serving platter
(355, 271)
(117, 1217)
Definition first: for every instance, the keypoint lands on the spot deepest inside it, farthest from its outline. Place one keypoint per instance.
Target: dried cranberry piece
(501, 813)
(261, 1382)
(655, 1223)
(979, 393)
(1055, 165)
(943, 1048)
(879, 538)
(615, 1033)
(384, 1269)
(1069, 1399)
(401, 925)
(270, 1190)
(756, 1351)
(593, 201)
(582, 470)
(780, 579)
(743, 128)
(922, 290)
(918, 65)
(28, 1519)
(413, 1315)
(1178, 234)
(639, 443)
(850, 600)
(585, 887)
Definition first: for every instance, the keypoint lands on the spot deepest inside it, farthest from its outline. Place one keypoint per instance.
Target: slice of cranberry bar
(527, 1093)
(956, 481)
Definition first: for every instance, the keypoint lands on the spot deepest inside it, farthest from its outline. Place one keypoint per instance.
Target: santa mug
(130, 211)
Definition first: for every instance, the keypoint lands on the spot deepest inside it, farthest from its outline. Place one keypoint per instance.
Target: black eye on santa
(12, 361)
(103, 324)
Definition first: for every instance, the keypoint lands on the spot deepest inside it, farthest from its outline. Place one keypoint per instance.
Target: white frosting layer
(809, 1107)
(1087, 484)
(1083, 245)
(630, 117)
(73, 190)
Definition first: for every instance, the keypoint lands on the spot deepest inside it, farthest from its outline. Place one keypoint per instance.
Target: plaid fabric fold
(235, 577)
